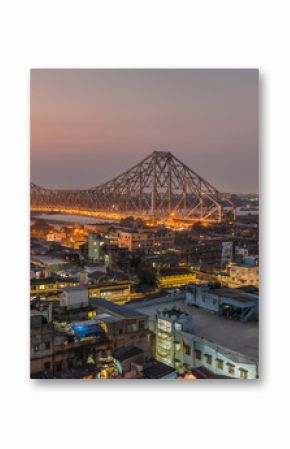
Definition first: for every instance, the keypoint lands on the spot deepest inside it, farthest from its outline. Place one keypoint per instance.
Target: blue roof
(86, 329)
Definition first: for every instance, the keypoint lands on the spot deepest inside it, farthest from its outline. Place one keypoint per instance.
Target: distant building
(227, 253)
(74, 297)
(242, 274)
(54, 264)
(51, 285)
(175, 277)
(249, 210)
(55, 236)
(229, 302)
(94, 247)
(147, 239)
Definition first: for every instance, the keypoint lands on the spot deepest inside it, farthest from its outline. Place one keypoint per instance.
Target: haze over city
(88, 126)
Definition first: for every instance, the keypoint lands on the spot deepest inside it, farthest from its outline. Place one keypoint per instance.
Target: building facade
(148, 240)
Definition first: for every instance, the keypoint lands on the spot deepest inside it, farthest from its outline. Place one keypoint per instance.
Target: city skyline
(82, 120)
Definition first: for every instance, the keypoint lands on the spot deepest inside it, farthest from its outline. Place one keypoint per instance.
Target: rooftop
(115, 309)
(157, 371)
(175, 271)
(202, 373)
(75, 289)
(126, 352)
(237, 336)
(43, 281)
(49, 260)
(250, 289)
(233, 293)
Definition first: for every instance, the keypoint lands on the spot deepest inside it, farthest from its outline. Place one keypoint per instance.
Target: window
(141, 324)
(164, 325)
(70, 363)
(231, 368)
(57, 367)
(187, 349)
(197, 354)
(219, 364)
(35, 348)
(208, 359)
(243, 374)
(46, 366)
(47, 345)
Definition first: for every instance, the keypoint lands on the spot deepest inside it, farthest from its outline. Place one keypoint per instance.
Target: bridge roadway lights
(159, 186)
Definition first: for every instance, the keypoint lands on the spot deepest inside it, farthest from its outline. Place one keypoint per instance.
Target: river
(68, 218)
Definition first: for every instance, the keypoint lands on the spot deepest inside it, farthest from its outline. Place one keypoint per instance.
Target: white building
(74, 297)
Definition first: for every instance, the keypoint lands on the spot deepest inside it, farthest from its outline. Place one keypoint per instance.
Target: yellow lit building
(119, 292)
(42, 287)
(240, 275)
(175, 278)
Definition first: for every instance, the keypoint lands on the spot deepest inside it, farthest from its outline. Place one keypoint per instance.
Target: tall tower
(94, 247)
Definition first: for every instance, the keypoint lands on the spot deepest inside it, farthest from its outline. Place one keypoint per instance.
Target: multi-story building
(66, 338)
(188, 337)
(50, 286)
(94, 247)
(175, 277)
(233, 303)
(242, 274)
(56, 236)
(149, 240)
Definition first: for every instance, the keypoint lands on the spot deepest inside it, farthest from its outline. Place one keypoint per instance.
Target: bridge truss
(159, 187)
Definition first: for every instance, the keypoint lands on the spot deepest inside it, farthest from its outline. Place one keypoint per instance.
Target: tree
(147, 276)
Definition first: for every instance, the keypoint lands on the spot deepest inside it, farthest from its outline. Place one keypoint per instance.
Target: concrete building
(74, 297)
(50, 286)
(150, 240)
(67, 343)
(242, 274)
(229, 302)
(188, 337)
(175, 277)
(94, 247)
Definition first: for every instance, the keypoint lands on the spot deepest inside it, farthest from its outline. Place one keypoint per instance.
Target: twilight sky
(88, 126)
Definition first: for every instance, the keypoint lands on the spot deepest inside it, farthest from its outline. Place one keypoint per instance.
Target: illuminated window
(219, 363)
(243, 374)
(208, 359)
(41, 287)
(231, 368)
(187, 349)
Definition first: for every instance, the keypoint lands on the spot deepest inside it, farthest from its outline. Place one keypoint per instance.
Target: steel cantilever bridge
(160, 188)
